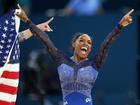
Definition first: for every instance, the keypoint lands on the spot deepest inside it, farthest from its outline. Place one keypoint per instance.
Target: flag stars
(12, 23)
(18, 46)
(9, 40)
(5, 57)
(8, 46)
(16, 52)
(5, 28)
(7, 22)
(2, 41)
(17, 56)
(14, 57)
(4, 35)
(1, 47)
(11, 35)
(11, 29)
(3, 61)
(17, 42)
(13, 18)
(6, 51)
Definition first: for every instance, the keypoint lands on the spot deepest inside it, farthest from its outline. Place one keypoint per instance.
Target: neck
(78, 59)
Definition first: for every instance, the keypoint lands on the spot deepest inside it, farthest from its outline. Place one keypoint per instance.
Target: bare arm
(126, 20)
(24, 35)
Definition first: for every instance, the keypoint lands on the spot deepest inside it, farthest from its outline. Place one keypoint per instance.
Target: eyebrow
(88, 39)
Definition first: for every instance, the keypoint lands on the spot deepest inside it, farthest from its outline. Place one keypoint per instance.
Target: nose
(86, 43)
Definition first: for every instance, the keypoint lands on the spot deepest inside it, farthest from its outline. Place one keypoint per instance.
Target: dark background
(118, 81)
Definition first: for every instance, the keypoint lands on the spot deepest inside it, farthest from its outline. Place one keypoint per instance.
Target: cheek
(77, 47)
(76, 50)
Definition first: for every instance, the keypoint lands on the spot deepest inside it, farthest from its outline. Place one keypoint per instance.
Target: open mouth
(84, 50)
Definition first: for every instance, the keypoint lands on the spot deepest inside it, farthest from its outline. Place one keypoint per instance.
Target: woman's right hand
(127, 19)
(45, 26)
(21, 14)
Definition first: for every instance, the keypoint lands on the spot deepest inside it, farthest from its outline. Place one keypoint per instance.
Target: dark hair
(75, 37)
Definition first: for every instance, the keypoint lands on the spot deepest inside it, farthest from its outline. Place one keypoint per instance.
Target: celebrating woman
(77, 73)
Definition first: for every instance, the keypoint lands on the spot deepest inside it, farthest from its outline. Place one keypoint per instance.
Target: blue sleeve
(55, 54)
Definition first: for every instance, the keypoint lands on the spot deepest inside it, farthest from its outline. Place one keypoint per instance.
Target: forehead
(85, 36)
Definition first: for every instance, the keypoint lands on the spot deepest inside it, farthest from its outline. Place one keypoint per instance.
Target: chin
(83, 56)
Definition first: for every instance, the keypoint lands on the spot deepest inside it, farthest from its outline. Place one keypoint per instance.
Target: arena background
(117, 83)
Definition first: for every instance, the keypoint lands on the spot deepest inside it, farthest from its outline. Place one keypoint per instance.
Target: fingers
(19, 6)
(130, 12)
(50, 20)
(127, 19)
(18, 11)
(47, 27)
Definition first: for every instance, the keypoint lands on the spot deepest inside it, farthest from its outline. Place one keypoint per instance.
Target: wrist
(120, 26)
(26, 20)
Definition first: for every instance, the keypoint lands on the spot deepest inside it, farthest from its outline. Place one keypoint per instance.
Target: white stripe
(10, 68)
(17, 22)
(9, 82)
(7, 97)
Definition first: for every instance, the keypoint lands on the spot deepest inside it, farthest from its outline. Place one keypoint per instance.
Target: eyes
(82, 41)
(89, 42)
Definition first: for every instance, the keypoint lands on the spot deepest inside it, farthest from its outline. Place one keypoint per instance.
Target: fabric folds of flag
(9, 58)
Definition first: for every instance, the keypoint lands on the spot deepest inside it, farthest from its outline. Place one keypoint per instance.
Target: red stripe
(6, 103)
(8, 89)
(10, 75)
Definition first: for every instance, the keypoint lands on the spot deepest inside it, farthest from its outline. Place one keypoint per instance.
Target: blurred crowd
(69, 7)
(40, 78)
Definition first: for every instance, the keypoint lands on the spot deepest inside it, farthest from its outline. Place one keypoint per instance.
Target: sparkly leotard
(76, 78)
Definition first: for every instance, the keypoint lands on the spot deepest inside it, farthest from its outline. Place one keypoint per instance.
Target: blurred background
(118, 81)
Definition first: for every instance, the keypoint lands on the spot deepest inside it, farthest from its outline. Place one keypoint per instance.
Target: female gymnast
(78, 73)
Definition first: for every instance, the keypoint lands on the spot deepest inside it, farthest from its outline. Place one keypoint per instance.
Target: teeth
(83, 48)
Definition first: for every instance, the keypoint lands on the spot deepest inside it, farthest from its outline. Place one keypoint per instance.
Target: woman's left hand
(127, 19)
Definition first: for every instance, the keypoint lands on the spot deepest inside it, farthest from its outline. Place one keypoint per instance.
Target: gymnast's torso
(77, 80)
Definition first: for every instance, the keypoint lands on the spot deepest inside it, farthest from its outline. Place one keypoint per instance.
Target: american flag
(9, 58)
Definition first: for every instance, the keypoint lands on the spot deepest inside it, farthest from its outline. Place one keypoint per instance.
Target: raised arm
(100, 57)
(26, 34)
(53, 52)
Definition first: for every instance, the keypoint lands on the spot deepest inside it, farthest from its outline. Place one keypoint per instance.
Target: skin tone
(82, 46)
